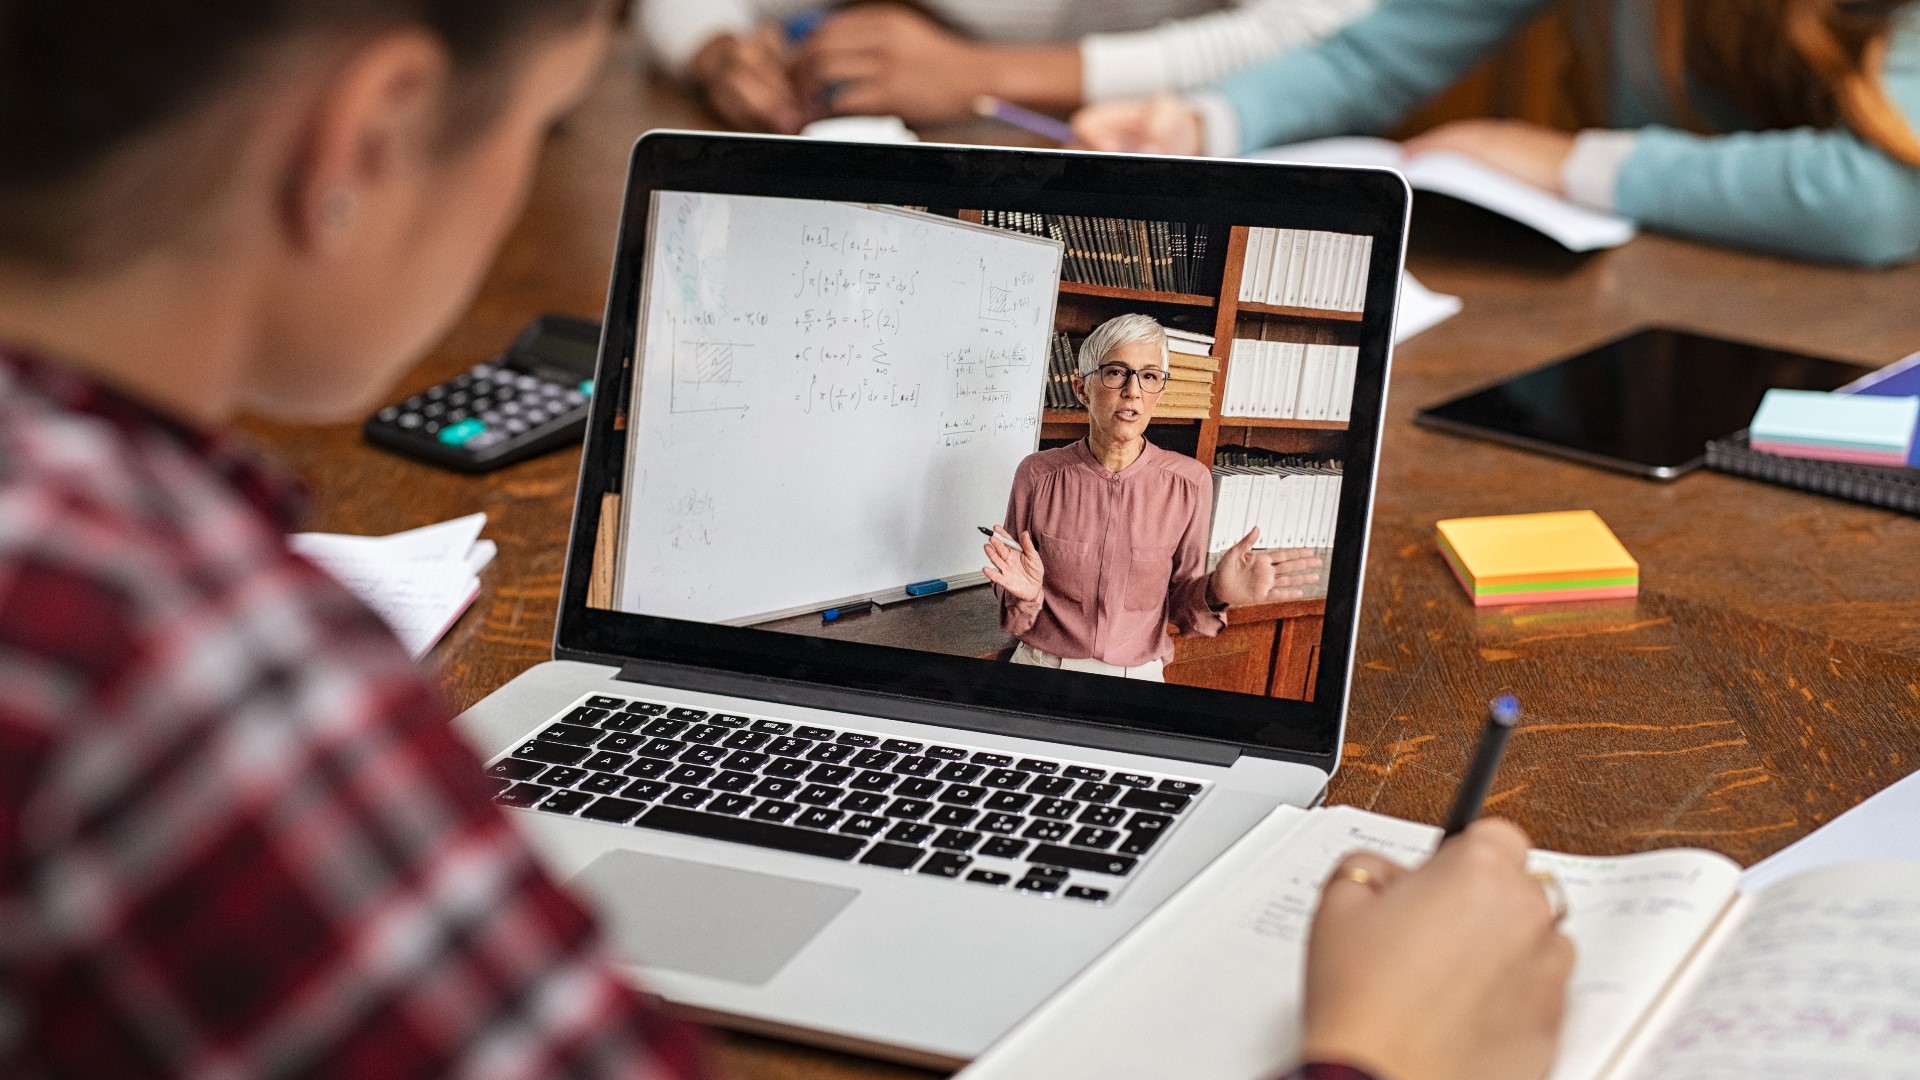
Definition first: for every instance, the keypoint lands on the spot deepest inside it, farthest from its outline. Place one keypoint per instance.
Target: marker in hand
(995, 534)
(1503, 713)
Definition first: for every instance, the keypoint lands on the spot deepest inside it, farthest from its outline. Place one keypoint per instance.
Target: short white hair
(1117, 331)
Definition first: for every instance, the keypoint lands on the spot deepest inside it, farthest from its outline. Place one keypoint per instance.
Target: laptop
(783, 745)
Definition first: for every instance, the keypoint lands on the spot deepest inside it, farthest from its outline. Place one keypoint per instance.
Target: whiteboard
(830, 399)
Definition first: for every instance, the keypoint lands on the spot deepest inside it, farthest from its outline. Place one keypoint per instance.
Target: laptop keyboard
(1043, 826)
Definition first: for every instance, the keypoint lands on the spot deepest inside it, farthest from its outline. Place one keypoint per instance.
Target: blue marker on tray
(856, 607)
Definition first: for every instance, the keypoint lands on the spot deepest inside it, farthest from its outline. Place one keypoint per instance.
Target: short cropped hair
(1117, 331)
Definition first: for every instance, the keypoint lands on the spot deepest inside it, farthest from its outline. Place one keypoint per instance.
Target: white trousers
(1150, 671)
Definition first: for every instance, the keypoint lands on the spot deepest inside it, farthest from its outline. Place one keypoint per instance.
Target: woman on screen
(1113, 530)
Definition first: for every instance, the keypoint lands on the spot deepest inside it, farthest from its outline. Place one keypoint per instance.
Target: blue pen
(1503, 713)
(856, 607)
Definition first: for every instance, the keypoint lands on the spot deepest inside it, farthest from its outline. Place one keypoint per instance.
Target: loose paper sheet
(418, 581)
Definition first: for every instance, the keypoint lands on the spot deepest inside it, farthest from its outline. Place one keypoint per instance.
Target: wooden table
(1766, 679)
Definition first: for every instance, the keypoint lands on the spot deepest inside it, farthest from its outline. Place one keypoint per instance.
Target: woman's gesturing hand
(1454, 971)
(1018, 570)
(1246, 576)
(1155, 125)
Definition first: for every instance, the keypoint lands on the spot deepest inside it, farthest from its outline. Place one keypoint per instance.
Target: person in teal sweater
(1779, 125)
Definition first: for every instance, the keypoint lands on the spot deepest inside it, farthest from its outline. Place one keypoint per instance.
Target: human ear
(379, 111)
(1079, 385)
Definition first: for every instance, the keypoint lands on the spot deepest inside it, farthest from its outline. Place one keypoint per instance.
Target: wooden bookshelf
(1273, 422)
(1142, 296)
(1323, 314)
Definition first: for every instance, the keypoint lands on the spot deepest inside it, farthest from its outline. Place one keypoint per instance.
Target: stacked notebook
(1154, 256)
(1292, 498)
(1287, 380)
(1538, 558)
(1894, 487)
(1298, 268)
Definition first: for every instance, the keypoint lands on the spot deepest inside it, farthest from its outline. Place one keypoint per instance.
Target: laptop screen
(1096, 455)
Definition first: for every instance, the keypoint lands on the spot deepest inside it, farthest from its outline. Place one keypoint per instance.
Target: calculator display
(573, 353)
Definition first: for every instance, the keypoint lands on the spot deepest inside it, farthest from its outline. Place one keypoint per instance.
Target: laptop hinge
(924, 711)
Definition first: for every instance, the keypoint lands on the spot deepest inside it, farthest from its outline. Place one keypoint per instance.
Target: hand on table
(745, 79)
(1454, 971)
(1522, 150)
(1246, 576)
(1020, 572)
(1155, 125)
(887, 59)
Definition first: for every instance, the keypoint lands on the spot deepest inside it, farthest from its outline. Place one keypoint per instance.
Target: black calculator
(531, 399)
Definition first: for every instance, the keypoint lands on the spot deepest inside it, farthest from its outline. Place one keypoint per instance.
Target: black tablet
(1646, 403)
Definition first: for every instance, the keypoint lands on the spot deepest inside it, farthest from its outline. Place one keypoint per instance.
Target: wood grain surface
(1766, 679)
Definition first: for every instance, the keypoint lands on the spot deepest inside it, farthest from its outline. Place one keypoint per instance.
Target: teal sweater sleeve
(1814, 194)
(1367, 76)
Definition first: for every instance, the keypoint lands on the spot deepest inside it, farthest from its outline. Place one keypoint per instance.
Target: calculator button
(462, 433)
(482, 441)
(454, 416)
(458, 397)
(526, 382)
(586, 387)
(510, 407)
(389, 414)
(431, 427)
(409, 420)
(436, 393)
(492, 416)
(576, 398)
(515, 425)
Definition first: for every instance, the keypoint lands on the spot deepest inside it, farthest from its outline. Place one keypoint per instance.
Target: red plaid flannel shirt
(237, 837)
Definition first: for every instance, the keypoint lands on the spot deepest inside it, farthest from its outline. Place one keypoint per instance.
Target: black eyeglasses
(1115, 376)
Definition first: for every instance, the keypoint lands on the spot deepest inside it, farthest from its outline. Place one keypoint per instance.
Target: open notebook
(1679, 975)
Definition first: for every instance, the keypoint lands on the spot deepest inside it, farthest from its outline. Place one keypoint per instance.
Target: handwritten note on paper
(1822, 979)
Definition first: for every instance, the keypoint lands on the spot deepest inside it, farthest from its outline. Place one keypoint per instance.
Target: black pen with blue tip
(1503, 713)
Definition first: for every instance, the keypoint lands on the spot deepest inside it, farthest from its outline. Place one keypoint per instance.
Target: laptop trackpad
(707, 920)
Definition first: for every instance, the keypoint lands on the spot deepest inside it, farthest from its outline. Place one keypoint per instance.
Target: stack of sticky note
(1538, 558)
(1858, 428)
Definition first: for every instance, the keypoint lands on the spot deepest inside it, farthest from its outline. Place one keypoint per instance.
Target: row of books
(1062, 359)
(1157, 256)
(1294, 500)
(1190, 371)
(1300, 268)
(1288, 380)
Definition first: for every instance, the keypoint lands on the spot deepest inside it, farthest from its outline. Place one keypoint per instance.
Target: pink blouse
(1125, 554)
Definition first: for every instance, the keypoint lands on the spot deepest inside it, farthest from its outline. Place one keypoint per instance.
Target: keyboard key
(1100, 792)
(1039, 885)
(909, 832)
(660, 748)
(618, 811)
(819, 795)
(704, 755)
(915, 766)
(607, 761)
(746, 740)
(1012, 779)
(604, 701)
(1048, 830)
(954, 815)
(992, 760)
(729, 804)
(945, 864)
(963, 794)
(1132, 779)
(1104, 816)
(733, 781)
(602, 783)
(552, 753)
(586, 717)
(572, 734)
(911, 809)
(646, 708)
(787, 768)
(649, 767)
(1081, 772)
(622, 721)
(952, 839)
(621, 742)
(646, 789)
(686, 714)
(872, 759)
(863, 802)
(1050, 785)
(688, 774)
(1008, 800)
(774, 810)
(772, 727)
(989, 877)
(1074, 859)
(666, 729)
(1058, 809)
(1003, 847)
(814, 733)
(1035, 765)
(874, 780)
(901, 746)
(748, 831)
(856, 738)
(892, 856)
(817, 817)
(960, 772)
(563, 776)
(864, 825)
(1095, 838)
(704, 733)
(523, 795)
(515, 769)
(1081, 892)
(789, 746)
(1139, 843)
(832, 753)
(917, 788)
(728, 721)
(745, 761)
(1160, 802)
(947, 753)
(564, 802)
(1180, 787)
(774, 787)
(830, 774)
(1001, 823)
(1145, 822)
(688, 797)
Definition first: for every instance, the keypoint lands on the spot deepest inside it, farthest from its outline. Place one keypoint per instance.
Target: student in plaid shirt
(237, 836)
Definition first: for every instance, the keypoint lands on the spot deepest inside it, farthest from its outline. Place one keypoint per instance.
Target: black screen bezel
(1374, 202)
